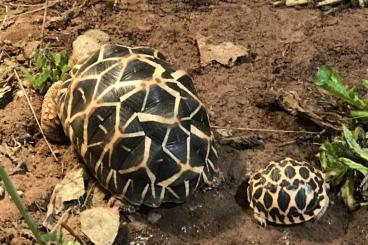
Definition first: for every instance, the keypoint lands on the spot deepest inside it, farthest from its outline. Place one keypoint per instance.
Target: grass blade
(10, 188)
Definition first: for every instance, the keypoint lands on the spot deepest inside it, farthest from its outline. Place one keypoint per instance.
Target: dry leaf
(225, 53)
(291, 102)
(69, 189)
(100, 225)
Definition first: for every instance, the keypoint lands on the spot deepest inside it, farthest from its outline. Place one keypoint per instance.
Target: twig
(286, 143)
(71, 232)
(5, 18)
(44, 21)
(34, 10)
(34, 115)
(62, 219)
(26, 5)
(269, 130)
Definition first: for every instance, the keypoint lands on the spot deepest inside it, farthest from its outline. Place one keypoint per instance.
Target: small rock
(20, 193)
(100, 225)
(2, 193)
(20, 58)
(154, 218)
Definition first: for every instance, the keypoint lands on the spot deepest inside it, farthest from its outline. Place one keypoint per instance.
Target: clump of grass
(41, 238)
(344, 159)
(47, 67)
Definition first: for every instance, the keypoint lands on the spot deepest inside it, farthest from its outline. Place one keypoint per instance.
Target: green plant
(46, 68)
(41, 238)
(344, 159)
(331, 81)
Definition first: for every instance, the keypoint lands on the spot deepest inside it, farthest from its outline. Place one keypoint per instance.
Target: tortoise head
(86, 44)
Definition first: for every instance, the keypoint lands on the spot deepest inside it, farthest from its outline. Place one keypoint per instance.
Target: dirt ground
(288, 45)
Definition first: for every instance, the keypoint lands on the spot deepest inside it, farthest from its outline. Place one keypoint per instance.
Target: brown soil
(288, 44)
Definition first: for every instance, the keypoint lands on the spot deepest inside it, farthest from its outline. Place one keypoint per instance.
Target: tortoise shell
(287, 192)
(138, 125)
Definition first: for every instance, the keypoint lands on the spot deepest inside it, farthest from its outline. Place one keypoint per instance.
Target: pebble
(2, 193)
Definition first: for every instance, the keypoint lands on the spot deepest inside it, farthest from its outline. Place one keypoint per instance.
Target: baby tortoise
(287, 192)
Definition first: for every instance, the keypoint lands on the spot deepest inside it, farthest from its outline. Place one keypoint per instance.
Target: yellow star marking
(173, 192)
(183, 168)
(125, 189)
(143, 163)
(102, 128)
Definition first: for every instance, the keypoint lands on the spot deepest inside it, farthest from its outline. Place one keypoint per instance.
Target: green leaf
(331, 81)
(27, 75)
(57, 58)
(41, 79)
(353, 144)
(64, 58)
(347, 194)
(332, 167)
(359, 134)
(65, 69)
(40, 60)
(359, 114)
(354, 165)
(64, 72)
(56, 236)
(365, 83)
(54, 75)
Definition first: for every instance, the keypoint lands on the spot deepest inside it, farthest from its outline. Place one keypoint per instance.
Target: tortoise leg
(124, 206)
(50, 122)
(260, 220)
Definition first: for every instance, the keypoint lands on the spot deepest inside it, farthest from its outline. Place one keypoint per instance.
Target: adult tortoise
(287, 192)
(136, 122)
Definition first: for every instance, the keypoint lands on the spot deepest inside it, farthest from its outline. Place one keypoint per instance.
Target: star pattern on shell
(287, 192)
(138, 124)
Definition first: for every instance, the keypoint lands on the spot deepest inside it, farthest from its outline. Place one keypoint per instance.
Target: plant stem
(10, 188)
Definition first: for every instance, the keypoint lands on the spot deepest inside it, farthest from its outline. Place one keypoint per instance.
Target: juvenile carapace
(136, 122)
(287, 192)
